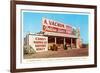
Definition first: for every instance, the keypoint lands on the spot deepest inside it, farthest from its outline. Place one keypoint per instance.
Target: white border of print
(52, 62)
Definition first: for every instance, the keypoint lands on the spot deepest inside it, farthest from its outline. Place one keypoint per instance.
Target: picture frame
(18, 9)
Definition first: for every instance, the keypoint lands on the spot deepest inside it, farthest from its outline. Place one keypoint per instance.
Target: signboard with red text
(38, 43)
(56, 27)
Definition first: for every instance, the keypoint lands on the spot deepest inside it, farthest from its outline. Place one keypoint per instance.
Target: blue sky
(32, 22)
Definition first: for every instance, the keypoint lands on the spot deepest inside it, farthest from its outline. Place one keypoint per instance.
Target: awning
(59, 35)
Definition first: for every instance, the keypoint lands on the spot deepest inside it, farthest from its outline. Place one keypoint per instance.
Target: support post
(55, 40)
(71, 42)
(64, 41)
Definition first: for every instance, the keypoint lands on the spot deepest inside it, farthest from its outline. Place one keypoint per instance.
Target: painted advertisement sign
(57, 27)
(38, 43)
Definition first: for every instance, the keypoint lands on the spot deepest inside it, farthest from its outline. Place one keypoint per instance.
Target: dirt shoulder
(59, 53)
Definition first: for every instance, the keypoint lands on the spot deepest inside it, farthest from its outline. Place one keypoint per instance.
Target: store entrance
(68, 42)
(60, 42)
(71, 42)
(74, 43)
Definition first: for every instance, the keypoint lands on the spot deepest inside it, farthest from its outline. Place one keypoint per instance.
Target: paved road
(59, 53)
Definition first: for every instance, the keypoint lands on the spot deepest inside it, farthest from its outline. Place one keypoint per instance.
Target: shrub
(28, 50)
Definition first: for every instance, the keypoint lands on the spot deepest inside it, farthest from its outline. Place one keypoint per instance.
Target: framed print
(52, 36)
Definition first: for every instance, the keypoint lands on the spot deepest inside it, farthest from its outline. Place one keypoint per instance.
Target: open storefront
(56, 34)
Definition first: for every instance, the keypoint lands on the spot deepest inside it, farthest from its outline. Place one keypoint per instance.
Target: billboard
(38, 43)
(56, 27)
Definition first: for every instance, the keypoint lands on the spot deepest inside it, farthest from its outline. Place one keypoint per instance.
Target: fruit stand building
(57, 33)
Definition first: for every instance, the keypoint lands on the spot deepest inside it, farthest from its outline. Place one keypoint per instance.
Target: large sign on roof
(56, 27)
